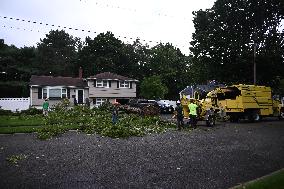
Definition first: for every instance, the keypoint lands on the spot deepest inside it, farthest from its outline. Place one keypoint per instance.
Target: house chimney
(80, 73)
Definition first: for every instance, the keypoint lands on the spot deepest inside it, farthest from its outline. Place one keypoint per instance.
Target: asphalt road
(218, 157)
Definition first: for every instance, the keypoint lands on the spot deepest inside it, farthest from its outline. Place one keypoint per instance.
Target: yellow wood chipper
(246, 101)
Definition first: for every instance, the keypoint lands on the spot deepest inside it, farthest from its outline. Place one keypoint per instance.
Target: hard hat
(178, 102)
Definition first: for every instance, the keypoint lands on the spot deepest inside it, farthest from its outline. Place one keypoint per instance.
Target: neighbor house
(111, 87)
(56, 89)
(200, 91)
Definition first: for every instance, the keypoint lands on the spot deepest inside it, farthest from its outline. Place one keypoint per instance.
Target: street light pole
(254, 57)
(254, 64)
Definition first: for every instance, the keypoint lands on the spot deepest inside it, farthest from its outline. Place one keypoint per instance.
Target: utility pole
(254, 57)
(254, 64)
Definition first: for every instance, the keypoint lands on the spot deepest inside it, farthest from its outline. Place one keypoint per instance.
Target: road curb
(257, 179)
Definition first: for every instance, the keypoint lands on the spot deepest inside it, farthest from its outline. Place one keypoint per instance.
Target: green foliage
(21, 120)
(274, 181)
(14, 159)
(101, 54)
(31, 111)
(223, 45)
(98, 120)
(61, 54)
(153, 88)
(5, 112)
(49, 131)
(13, 89)
(128, 125)
(19, 129)
(57, 53)
(171, 65)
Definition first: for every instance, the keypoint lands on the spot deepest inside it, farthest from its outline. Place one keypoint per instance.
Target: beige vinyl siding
(38, 102)
(112, 92)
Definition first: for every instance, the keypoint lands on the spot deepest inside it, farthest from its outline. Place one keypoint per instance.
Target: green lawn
(25, 124)
(15, 121)
(273, 181)
(19, 129)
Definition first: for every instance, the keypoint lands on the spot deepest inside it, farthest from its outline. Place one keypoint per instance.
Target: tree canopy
(153, 88)
(57, 53)
(222, 49)
(225, 35)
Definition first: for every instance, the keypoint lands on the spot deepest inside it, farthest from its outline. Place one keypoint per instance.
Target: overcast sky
(150, 20)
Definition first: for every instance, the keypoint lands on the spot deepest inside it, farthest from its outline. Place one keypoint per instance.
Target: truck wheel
(234, 118)
(281, 115)
(254, 116)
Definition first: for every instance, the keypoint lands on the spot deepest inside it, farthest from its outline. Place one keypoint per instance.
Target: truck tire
(254, 116)
(234, 118)
(281, 117)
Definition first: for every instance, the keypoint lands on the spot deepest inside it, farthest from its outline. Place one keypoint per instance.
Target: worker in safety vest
(193, 113)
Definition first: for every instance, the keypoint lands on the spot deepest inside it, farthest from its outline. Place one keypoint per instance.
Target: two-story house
(111, 87)
(56, 89)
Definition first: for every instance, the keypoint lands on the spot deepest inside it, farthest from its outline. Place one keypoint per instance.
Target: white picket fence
(15, 104)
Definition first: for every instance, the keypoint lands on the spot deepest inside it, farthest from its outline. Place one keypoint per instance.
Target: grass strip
(19, 129)
(31, 129)
(14, 121)
(272, 181)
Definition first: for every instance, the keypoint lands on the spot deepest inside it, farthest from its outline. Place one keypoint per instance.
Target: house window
(101, 83)
(63, 93)
(44, 93)
(124, 84)
(54, 93)
(100, 101)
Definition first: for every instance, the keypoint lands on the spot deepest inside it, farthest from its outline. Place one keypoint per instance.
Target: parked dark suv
(140, 103)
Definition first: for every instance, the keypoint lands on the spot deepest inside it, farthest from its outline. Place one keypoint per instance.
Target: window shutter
(68, 93)
(39, 94)
(109, 83)
(95, 83)
(117, 84)
(130, 84)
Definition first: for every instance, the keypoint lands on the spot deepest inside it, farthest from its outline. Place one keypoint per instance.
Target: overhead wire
(73, 28)
(106, 5)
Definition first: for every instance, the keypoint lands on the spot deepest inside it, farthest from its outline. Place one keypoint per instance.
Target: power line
(19, 28)
(77, 29)
(33, 30)
(106, 5)
(72, 28)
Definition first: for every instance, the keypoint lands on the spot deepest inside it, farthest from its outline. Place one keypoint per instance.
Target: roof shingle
(57, 81)
(108, 75)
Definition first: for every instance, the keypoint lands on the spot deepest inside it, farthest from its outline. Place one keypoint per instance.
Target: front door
(80, 96)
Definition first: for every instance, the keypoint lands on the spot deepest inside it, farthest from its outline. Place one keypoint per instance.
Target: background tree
(153, 88)
(102, 54)
(57, 54)
(172, 66)
(15, 70)
(225, 35)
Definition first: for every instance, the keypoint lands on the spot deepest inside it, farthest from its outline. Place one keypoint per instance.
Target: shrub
(6, 112)
(31, 111)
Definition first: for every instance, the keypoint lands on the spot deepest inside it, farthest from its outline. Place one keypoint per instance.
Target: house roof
(57, 81)
(111, 76)
(201, 88)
